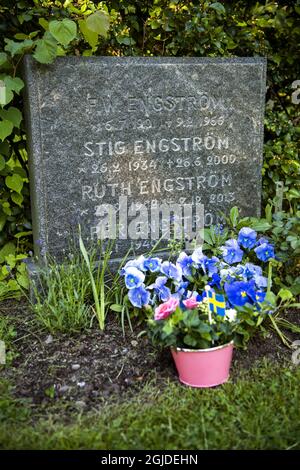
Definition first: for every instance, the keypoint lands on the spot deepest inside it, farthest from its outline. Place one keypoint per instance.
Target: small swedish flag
(216, 303)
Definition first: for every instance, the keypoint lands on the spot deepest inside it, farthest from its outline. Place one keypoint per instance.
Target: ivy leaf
(63, 31)
(3, 58)
(6, 95)
(14, 182)
(46, 49)
(15, 48)
(2, 162)
(2, 221)
(12, 114)
(8, 249)
(17, 199)
(98, 22)
(13, 83)
(6, 128)
(218, 7)
(90, 36)
(126, 40)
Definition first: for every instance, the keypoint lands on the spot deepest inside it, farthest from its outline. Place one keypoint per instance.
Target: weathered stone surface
(176, 130)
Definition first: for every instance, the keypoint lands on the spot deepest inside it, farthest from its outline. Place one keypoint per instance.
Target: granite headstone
(148, 130)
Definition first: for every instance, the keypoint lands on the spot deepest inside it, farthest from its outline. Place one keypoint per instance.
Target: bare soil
(93, 367)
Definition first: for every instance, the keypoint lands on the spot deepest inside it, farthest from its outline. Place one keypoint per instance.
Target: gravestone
(146, 130)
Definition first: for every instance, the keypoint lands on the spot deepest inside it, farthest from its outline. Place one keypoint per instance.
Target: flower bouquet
(201, 305)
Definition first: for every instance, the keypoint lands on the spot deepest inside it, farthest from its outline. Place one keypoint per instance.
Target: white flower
(230, 314)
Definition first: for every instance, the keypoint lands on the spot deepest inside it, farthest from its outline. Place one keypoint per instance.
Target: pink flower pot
(203, 367)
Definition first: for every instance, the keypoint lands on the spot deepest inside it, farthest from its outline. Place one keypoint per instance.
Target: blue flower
(251, 270)
(239, 293)
(139, 296)
(208, 265)
(262, 240)
(133, 278)
(232, 252)
(133, 263)
(160, 289)
(215, 281)
(171, 271)
(152, 264)
(200, 297)
(185, 262)
(181, 289)
(265, 251)
(197, 255)
(219, 229)
(260, 281)
(247, 237)
(260, 296)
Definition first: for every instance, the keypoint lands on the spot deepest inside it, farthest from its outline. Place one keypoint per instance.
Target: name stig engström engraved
(175, 144)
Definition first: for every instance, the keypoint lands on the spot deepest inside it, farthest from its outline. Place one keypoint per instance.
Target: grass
(68, 296)
(61, 300)
(260, 411)
(7, 335)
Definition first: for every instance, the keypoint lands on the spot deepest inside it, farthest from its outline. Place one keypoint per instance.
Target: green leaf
(208, 236)
(44, 24)
(23, 234)
(98, 22)
(12, 114)
(126, 40)
(17, 199)
(293, 193)
(2, 162)
(270, 298)
(217, 6)
(191, 318)
(268, 212)
(46, 49)
(13, 83)
(8, 249)
(285, 294)
(2, 221)
(116, 308)
(189, 340)
(3, 58)
(234, 215)
(63, 31)
(90, 36)
(167, 329)
(6, 128)
(22, 276)
(260, 225)
(14, 182)
(15, 48)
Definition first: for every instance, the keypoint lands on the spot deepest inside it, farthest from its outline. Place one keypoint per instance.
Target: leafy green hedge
(48, 29)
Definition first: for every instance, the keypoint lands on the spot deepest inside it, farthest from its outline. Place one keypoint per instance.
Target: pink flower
(165, 309)
(190, 303)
